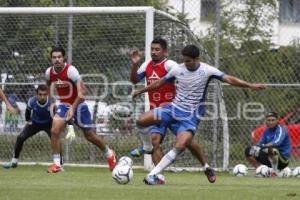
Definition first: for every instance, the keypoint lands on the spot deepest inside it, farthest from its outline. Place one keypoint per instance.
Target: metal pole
(70, 34)
(149, 35)
(216, 86)
(69, 56)
(56, 27)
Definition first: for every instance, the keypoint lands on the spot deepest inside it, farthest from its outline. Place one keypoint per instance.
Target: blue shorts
(182, 120)
(82, 115)
(162, 130)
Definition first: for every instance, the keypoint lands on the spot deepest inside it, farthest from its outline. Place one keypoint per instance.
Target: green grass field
(33, 183)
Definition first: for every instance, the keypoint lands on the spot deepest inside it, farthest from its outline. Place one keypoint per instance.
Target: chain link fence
(242, 41)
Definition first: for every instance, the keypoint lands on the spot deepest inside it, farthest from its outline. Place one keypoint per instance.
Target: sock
(107, 152)
(274, 163)
(206, 166)
(14, 160)
(165, 161)
(146, 138)
(56, 159)
(273, 158)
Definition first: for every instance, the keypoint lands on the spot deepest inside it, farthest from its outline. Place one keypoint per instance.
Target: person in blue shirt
(38, 115)
(274, 147)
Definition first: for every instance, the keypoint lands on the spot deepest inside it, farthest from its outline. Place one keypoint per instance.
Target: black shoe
(210, 173)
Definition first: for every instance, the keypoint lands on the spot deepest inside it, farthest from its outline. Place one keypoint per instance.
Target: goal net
(98, 42)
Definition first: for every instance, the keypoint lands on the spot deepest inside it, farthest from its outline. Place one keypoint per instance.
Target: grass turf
(76, 183)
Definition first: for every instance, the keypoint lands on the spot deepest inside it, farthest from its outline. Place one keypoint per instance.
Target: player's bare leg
(147, 119)
(58, 125)
(183, 139)
(110, 155)
(157, 152)
(196, 150)
(143, 122)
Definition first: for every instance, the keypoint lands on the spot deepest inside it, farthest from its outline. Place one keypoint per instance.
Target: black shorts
(32, 129)
(263, 158)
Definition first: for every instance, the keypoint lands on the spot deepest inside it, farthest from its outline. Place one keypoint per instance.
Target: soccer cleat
(53, 168)
(112, 160)
(210, 173)
(153, 180)
(10, 165)
(138, 152)
(274, 174)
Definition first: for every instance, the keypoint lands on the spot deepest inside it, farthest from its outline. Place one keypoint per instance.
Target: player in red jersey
(70, 90)
(153, 70)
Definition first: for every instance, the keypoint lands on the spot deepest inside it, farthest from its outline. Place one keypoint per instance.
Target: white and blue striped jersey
(191, 86)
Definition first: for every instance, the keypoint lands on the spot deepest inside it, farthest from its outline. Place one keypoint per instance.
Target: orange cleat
(53, 168)
(112, 160)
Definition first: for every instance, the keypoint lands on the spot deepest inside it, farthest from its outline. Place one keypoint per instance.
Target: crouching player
(274, 147)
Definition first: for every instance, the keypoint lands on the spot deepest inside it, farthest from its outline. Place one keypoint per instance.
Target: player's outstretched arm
(135, 57)
(152, 86)
(8, 106)
(232, 80)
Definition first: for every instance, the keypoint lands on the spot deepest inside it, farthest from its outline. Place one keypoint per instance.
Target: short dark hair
(190, 51)
(42, 87)
(58, 49)
(272, 114)
(158, 40)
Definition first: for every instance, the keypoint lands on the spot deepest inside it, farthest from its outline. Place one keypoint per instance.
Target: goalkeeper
(274, 147)
(38, 117)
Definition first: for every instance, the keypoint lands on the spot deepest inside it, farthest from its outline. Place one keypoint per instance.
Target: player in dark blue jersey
(38, 117)
(274, 147)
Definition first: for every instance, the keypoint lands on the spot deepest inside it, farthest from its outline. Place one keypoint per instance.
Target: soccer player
(38, 117)
(8, 106)
(274, 147)
(187, 108)
(64, 78)
(154, 69)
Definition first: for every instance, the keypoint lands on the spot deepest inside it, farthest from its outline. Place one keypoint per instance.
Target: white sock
(14, 160)
(165, 161)
(205, 166)
(56, 159)
(107, 152)
(146, 138)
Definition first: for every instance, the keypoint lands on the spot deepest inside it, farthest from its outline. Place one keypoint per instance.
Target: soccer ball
(122, 174)
(262, 171)
(296, 172)
(125, 160)
(240, 170)
(285, 173)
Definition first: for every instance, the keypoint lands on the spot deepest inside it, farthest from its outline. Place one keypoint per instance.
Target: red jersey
(64, 83)
(152, 72)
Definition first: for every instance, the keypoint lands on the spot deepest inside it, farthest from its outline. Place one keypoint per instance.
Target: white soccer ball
(296, 172)
(125, 160)
(240, 170)
(122, 174)
(285, 173)
(262, 171)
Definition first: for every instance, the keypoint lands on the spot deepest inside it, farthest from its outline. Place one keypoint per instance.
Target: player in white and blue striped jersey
(192, 79)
